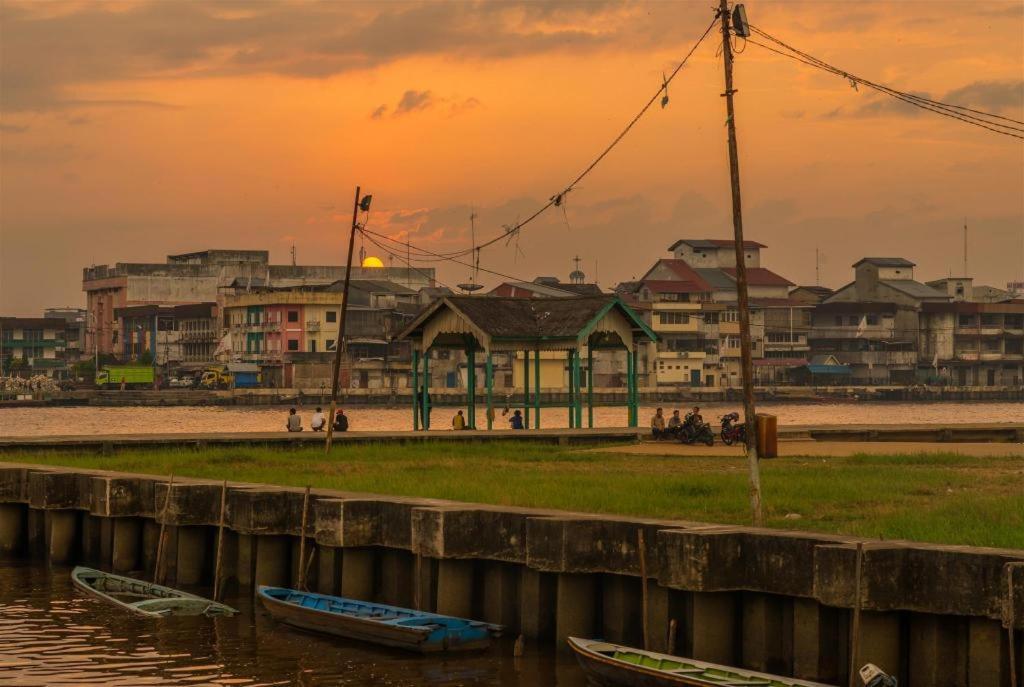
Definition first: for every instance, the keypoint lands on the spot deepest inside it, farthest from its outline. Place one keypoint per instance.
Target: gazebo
(484, 325)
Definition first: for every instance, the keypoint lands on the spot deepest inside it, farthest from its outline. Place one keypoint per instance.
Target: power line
(953, 111)
(557, 199)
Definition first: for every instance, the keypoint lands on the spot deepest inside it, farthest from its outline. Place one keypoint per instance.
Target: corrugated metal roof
(760, 276)
(714, 243)
(886, 262)
(914, 288)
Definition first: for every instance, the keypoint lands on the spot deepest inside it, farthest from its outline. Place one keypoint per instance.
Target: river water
(52, 634)
(141, 420)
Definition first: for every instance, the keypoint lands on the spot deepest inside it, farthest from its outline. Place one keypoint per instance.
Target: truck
(231, 376)
(133, 376)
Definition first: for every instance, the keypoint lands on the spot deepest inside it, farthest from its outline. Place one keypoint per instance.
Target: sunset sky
(137, 129)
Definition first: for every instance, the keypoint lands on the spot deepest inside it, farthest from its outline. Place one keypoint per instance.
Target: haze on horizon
(131, 130)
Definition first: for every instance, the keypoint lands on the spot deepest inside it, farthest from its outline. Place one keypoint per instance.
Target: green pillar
(415, 390)
(536, 387)
(629, 388)
(569, 378)
(425, 401)
(489, 381)
(471, 382)
(578, 384)
(526, 389)
(636, 391)
(590, 386)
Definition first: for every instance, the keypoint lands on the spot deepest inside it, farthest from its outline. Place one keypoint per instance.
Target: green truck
(134, 376)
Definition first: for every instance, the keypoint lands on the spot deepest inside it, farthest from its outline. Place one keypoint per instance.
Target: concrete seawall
(765, 599)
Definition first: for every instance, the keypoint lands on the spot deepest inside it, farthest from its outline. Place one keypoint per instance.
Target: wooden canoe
(612, 665)
(145, 598)
(392, 626)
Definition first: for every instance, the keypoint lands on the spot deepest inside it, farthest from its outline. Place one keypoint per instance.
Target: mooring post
(643, 584)
(220, 540)
(671, 637)
(302, 540)
(855, 634)
(163, 527)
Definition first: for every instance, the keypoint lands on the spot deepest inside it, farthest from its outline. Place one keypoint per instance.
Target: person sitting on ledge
(516, 421)
(459, 421)
(294, 421)
(318, 421)
(341, 421)
(658, 425)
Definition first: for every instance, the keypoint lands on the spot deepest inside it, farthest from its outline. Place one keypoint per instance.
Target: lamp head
(364, 204)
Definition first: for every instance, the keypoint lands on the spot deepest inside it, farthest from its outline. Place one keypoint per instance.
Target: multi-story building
(74, 330)
(973, 343)
(873, 324)
(182, 336)
(32, 345)
(291, 332)
(690, 301)
(205, 277)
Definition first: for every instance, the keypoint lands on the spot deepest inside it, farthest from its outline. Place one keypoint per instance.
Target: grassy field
(944, 498)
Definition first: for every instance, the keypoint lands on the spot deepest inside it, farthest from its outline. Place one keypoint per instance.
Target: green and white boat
(613, 665)
(145, 598)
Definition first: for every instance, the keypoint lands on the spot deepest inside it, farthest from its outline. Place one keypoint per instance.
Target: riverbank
(385, 398)
(948, 498)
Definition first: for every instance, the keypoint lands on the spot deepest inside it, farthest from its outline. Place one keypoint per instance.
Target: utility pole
(339, 342)
(965, 246)
(741, 277)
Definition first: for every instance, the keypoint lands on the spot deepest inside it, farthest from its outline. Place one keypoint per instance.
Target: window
(966, 320)
(872, 320)
(839, 320)
(332, 315)
(730, 316)
(293, 315)
(673, 318)
(293, 344)
(854, 320)
(330, 345)
(710, 318)
(312, 346)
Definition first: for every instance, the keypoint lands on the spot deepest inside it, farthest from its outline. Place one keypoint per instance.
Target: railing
(313, 326)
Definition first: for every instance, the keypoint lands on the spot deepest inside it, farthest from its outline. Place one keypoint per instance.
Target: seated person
(341, 421)
(459, 421)
(658, 424)
(318, 421)
(675, 423)
(294, 423)
(516, 421)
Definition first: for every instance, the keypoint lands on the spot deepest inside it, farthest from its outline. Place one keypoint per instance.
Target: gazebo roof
(532, 320)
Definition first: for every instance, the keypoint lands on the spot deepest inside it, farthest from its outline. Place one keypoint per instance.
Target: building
(33, 345)
(873, 324)
(969, 343)
(74, 330)
(291, 332)
(690, 302)
(205, 277)
(178, 336)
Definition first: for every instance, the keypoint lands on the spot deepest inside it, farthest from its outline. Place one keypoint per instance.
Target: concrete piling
(328, 564)
(126, 545)
(193, 558)
(620, 609)
(712, 627)
(357, 573)
(767, 633)
(12, 528)
(880, 640)
(273, 561)
(538, 592)
(455, 587)
(501, 595)
(576, 610)
(397, 570)
(61, 535)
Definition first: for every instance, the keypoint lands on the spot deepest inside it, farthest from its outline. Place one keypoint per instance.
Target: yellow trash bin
(767, 435)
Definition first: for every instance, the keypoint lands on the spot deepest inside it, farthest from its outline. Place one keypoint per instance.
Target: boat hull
(603, 669)
(423, 638)
(144, 598)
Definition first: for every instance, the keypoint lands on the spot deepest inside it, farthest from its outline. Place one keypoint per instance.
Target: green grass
(943, 498)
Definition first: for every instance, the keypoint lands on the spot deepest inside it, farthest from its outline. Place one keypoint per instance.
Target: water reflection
(50, 634)
(88, 420)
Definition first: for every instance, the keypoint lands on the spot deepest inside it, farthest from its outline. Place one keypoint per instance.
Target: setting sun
(371, 261)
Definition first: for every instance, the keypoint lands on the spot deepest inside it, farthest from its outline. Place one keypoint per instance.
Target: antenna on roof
(293, 254)
(472, 285)
(817, 267)
(965, 246)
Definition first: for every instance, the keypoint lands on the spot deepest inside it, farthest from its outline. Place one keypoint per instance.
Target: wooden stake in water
(643, 583)
(163, 526)
(220, 540)
(302, 540)
(855, 634)
(1011, 619)
(672, 637)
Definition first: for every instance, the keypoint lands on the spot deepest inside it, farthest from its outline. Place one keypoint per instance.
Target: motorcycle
(691, 433)
(733, 433)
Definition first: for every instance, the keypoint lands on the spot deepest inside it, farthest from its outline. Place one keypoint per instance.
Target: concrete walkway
(824, 448)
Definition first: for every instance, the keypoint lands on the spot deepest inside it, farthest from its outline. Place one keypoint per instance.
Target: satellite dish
(739, 21)
(470, 287)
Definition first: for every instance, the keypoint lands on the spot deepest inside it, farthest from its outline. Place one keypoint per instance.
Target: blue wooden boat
(393, 626)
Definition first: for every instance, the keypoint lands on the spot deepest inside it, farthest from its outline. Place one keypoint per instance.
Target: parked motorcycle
(733, 433)
(691, 433)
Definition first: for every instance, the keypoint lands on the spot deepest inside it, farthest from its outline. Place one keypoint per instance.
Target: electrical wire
(557, 199)
(958, 112)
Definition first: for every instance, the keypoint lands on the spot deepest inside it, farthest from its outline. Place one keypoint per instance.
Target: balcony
(682, 355)
(313, 325)
(880, 358)
(198, 336)
(32, 343)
